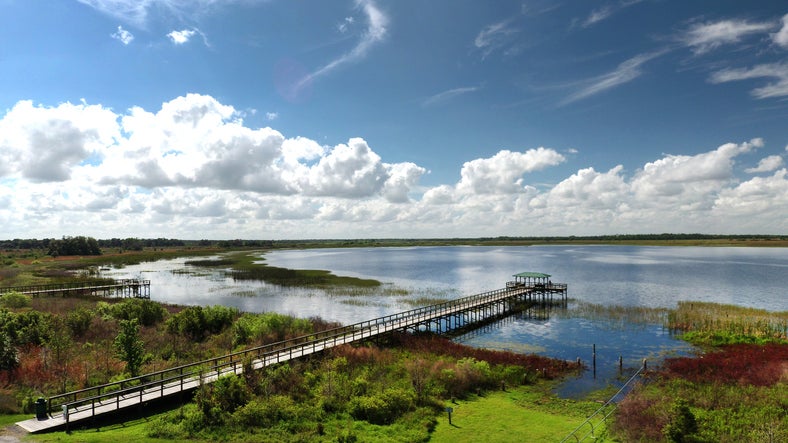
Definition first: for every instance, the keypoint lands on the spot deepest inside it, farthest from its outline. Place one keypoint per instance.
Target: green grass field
(522, 414)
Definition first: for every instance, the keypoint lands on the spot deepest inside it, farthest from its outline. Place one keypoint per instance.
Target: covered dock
(540, 285)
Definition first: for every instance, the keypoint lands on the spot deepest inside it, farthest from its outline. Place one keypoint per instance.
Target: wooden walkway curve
(85, 404)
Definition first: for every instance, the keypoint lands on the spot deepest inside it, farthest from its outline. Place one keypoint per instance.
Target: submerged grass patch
(627, 314)
(246, 266)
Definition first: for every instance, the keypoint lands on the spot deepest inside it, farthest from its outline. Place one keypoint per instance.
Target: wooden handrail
(297, 345)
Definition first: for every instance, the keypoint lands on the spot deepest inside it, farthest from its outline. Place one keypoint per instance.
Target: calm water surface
(609, 275)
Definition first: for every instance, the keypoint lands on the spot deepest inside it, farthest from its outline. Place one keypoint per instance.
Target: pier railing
(176, 379)
(600, 416)
(92, 286)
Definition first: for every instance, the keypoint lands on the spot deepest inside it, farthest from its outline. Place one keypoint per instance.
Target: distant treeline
(642, 237)
(81, 245)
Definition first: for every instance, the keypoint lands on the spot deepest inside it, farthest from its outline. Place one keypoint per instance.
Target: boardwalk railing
(600, 416)
(173, 380)
(125, 288)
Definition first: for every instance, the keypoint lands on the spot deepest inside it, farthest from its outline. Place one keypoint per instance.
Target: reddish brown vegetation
(441, 346)
(742, 364)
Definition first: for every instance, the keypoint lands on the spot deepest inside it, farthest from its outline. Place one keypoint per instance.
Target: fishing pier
(60, 411)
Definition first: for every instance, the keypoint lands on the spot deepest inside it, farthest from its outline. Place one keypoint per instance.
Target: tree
(60, 347)
(9, 357)
(129, 347)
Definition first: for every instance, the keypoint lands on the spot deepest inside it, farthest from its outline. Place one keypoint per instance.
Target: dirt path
(11, 434)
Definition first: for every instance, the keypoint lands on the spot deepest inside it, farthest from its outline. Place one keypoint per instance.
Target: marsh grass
(249, 266)
(717, 324)
(623, 314)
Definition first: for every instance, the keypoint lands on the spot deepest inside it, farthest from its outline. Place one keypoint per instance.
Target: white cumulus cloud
(503, 172)
(767, 164)
(182, 36)
(194, 169)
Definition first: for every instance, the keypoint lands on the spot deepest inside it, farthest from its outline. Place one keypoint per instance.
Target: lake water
(607, 275)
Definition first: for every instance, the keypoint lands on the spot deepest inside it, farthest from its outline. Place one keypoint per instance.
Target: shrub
(15, 300)
(221, 398)
(79, 320)
(382, 409)
(266, 413)
(9, 357)
(268, 327)
(146, 312)
(195, 321)
(26, 328)
(682, 425)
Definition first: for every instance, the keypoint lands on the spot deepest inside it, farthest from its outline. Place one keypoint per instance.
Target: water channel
(656, 277)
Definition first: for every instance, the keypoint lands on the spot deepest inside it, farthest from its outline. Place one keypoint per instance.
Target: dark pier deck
(116, 288)
(86, 404)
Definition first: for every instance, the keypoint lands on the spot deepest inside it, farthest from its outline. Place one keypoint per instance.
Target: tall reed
(728, 323)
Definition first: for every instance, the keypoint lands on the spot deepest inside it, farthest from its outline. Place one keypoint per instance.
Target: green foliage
(266, 412)
(74, 246)
(216, 401)
(129, 347)
(722, 411)
(146, 312)
(718, 324)
(268, 327)
(9, 357)
(26, 328)
(682, 426)
(383, 408)
(195, 322)
(15, 300)
(78, 321)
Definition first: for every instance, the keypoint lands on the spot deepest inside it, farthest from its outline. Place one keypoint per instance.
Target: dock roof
(531, 275)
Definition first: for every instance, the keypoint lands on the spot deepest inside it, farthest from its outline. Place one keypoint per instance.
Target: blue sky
(372, 118)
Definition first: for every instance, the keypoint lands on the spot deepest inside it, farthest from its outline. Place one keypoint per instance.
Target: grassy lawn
(516, 415)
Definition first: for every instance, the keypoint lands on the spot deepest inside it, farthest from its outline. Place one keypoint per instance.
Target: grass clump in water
(247, 266)
(718, 324)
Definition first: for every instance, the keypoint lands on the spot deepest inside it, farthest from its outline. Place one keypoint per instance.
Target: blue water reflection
(656, 277)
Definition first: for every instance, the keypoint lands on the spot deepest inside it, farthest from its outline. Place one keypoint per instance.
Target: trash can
(41, 409)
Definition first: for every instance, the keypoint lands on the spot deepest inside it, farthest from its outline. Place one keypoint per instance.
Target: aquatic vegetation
(736, 393)
(625, 314)
(735, 364)
(718, 324)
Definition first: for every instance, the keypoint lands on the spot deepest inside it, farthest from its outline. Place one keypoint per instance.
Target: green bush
(15, 300)
(26, 328)
(79, 320)
(384, 408)
(266, 413)
(268, 327)
(682, 426)
(196, 322)
(9, 357)
(146, 312)
(218, 400)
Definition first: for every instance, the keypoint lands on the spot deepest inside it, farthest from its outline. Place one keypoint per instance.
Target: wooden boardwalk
(78, 406)
(136, 288)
